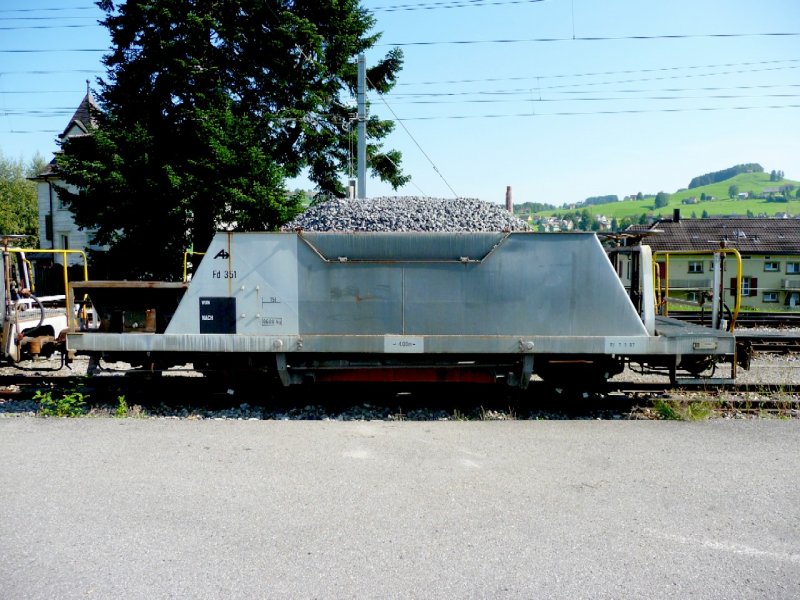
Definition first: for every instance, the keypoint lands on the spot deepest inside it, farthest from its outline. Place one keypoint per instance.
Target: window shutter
(753, 286)
(734, 286)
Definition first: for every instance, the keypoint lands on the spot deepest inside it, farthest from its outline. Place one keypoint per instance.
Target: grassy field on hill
(720, 206)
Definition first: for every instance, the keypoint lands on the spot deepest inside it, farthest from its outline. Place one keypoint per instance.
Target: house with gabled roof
(57, 228)
(769, 248)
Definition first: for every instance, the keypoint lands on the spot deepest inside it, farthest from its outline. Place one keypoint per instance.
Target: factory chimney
(509, 202)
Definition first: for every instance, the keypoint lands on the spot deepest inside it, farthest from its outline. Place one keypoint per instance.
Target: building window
(64, 241)
(711, 266)
(693, 296)
(772, 265)
(793, 267)
(749, 287)
(695, 266)
(770, 296)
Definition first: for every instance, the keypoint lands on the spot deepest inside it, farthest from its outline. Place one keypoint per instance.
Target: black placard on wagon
(217, 315)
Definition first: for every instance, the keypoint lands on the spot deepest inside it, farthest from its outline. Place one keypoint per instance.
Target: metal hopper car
(402, 307)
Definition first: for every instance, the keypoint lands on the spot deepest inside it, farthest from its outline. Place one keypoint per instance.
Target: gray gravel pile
(406, 213)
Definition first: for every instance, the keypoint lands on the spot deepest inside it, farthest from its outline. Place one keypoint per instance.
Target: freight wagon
(482, 307)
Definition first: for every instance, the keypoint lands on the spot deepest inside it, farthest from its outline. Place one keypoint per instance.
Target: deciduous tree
(18, 204)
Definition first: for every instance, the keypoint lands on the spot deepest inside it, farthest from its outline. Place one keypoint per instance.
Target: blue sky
(498, 93)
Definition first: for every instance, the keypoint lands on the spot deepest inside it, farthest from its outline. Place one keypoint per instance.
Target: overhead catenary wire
(416, 143)
(597, 73)
(495, 41)
(523, 92)
(449, 4)
(59, 112)
(47, 9)
(683, 36)
(603, 112)
(64, 26)
(403, 126)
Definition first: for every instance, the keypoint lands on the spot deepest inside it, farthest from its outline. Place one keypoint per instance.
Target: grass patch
(672, 409)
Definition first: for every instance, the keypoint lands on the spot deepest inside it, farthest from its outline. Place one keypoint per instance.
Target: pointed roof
(82, 120)
(79, 124)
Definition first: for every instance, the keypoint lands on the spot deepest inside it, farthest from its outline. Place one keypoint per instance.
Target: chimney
(509, 202)
(676, 215)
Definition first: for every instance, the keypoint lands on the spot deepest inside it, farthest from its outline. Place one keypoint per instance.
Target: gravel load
(406, 213)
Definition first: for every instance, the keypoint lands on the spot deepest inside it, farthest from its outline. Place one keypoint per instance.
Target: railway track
(772, 344)
(770, 333)
(775, 320)
(183, 395)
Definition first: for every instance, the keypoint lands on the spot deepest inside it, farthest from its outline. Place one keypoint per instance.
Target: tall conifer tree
(207, 107)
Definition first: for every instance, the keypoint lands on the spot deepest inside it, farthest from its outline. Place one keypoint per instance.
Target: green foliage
(594, 200)
(19, 213)
(683, 410)
(717, 202)
(532, 207)
(122, 408)
(661, 200)
(71, 404)
(725, 174)
(733, 191)
(207, 109)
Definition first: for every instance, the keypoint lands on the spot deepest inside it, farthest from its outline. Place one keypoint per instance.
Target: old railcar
(31, 325)
(412, 307)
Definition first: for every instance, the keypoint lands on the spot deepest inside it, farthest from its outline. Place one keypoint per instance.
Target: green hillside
(720, 206)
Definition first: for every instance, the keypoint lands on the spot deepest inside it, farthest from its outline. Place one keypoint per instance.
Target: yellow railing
(63, 253)
(186, 256)
(659, 285)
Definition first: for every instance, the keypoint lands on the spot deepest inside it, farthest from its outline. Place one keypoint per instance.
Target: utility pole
(362, 127)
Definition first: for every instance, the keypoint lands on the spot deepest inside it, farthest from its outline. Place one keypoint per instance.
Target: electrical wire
(601, 99)
(449, 5)
(413, 139)
(497, 41)
(520, 91)
(596, 39)
(45, 50)
(603, 112)
(596, 73)
(48, 72)
(64, 26)
(52, 9)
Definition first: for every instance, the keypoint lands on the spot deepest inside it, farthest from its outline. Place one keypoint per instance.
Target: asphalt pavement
(167, 508)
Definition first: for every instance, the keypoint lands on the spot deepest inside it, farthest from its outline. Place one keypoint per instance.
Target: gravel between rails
(767, 370)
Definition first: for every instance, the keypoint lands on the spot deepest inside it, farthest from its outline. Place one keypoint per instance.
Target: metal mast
(362, 127)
